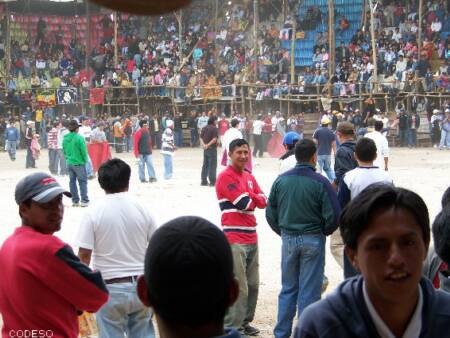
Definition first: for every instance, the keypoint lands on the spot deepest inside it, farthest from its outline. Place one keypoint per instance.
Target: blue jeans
(403, 135)
(11, 147)
(302, 269)
(62, 162)
(143, 161)
(78, 172)
(179, 138)
(89, 168)
(128, 143)
(168, 169)
(324, 162)
(412, 137)
(445, 139)
(124, 313)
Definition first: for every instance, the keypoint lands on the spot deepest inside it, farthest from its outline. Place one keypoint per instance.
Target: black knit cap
(189, 271)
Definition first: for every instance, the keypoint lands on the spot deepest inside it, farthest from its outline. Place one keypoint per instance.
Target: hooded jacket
(344, 314)
(345, 160)
(75, 150)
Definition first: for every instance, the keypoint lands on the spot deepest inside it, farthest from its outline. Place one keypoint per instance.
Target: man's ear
(353, 258)
(234, 292)
(143, 291)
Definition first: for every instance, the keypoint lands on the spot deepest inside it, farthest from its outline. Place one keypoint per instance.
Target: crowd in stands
(206, 64)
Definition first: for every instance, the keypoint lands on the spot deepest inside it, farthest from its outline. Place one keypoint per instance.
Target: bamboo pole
(419, 31)
(255, 36)
(7, 49)
(331, 45)
(116, 45)
(374, 52)
(294, 32)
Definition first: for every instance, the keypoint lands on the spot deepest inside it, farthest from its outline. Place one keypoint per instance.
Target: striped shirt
(52, 139)
(239, 195)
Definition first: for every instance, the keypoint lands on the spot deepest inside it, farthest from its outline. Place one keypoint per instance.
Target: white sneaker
(84, 204)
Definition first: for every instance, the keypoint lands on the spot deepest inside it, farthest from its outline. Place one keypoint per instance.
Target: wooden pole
(331, 45)
(216, 28)
(294, 32)
(419, 31)
(116, 45)
(374, 52)
(7, 47)
(255, 36)
(88, 44)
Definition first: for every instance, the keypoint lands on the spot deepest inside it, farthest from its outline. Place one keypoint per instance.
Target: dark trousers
(265, 140)
(118, 141)
(403, 135)
(156, 139)
(258, 145)
(412, 137)
(194, 137)
(209, 165)
(30, 163)
(53, 161)
(62, 163)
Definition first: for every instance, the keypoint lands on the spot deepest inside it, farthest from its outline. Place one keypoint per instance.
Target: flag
(67, 95)
(46, 98)
(96, 95)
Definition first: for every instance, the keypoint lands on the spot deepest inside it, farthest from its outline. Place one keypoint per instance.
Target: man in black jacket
(386, 231)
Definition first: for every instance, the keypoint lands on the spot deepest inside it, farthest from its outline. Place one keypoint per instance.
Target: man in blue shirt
(11, 139)
(326, 142)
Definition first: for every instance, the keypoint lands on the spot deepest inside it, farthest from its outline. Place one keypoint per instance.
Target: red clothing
(239, 194)
(224, 125)
(137, 138)
(267, 128)
(43, 285)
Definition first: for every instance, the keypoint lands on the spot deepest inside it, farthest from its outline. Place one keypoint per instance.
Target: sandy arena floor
(425, 171)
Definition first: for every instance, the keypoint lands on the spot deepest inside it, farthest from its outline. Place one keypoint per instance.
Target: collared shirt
(414, 326)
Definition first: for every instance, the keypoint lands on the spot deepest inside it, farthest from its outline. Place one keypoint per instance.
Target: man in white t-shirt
(382, 160)
(230, 135)
(85, 131)
(258, 125)
(116, 231)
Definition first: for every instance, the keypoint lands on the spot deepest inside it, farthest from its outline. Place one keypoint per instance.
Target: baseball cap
(40, 187)
(290, 138)
(436, 111)
(325, 120)
(73, 124)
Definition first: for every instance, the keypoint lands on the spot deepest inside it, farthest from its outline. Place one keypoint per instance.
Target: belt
(128, 279)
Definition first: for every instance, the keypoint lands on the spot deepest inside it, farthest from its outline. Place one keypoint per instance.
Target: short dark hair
(441, 235)
(304, 150)
(189, 272)
(378, 125)
(142, 122)
(239, 142)
(366, 149)
(114, 175)
(234, 122)
(358, 214)
(212, 119)
(445, 202)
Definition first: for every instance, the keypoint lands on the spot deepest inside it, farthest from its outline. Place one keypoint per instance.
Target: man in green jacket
(303, 208)
(75, 152)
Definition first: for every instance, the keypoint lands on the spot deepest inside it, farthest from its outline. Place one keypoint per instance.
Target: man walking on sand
(239, 195)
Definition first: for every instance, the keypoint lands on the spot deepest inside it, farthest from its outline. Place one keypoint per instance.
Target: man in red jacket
(239, 195)
(143, 151)
(43, 284)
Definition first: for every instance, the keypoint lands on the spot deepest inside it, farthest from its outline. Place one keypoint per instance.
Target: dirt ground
(426, 171)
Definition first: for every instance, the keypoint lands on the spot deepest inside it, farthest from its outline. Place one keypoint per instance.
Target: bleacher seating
(351, 9)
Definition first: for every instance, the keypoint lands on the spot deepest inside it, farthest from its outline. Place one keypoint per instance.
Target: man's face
(239, 157)
(45, 218)
(389, 254)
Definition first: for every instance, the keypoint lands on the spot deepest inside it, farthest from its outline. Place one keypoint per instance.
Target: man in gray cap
(75, 152)
(47, 270)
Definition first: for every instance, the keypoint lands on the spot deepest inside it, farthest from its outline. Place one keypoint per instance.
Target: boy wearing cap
(386, 232)
(288, 161)
(29, 162)
(54, 285)
(75, 152)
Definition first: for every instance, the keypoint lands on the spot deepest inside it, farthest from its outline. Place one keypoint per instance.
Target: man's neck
(396, 315)
(237, 168)
(205, 331)
(365, 164)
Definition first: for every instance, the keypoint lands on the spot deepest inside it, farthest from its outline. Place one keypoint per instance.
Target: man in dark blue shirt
(326, 141)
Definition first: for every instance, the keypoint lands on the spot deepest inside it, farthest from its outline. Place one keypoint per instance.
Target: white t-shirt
(117, 229)
(229, 136)
(257, 127)
(287, 164)
(382, 147)
(360, 178)
(85, 131)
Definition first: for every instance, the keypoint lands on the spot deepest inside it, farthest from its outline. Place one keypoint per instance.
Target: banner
(67, 95)
(97, 95)
(46, 98)
(99, 153)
